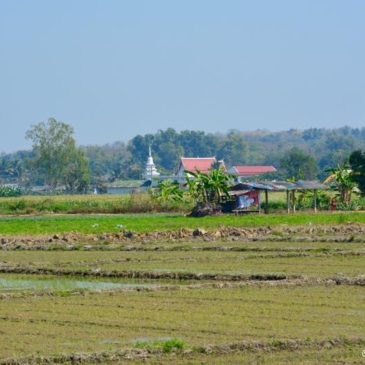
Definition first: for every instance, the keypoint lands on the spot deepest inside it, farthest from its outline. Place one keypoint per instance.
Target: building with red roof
(246, 171)
(205, 164)
(194, 164)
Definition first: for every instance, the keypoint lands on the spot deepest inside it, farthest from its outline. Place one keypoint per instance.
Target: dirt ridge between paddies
(133, 274)
(337, 233)
(149, 352)
(171, 275)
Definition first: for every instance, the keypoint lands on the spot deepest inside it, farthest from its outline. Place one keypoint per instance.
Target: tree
(108, 163)
(357, 163)
(77, 177)
(56, 156)
(233, 150)
(299, 165)
(169, 155)
(329, 147)
(341, 177)
(11, 169)
(197, 143)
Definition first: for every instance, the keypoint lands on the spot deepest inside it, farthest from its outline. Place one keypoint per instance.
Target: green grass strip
(160, 222)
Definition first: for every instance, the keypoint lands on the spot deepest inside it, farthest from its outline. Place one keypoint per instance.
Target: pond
(32, 282)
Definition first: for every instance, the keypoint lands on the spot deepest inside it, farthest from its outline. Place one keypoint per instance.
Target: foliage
(11, 168)
(166, 345)
(305, 199)
(351, 206)
(357, 162)
(108, 163)
(76, 177)
(56, 156)
(210, 187)
(233, 150)
(114, 161)
(9, 191)
(328, 147)
(299, 165)
(136, 203)
(167, 190)
(342, 181)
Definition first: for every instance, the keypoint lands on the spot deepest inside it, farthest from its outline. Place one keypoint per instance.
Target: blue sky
(114, 69)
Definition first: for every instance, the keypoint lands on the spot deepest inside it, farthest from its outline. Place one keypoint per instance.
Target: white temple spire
(150, 170)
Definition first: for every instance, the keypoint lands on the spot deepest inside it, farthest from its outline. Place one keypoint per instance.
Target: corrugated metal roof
(238, 192)
(314, 185)
(281, 185)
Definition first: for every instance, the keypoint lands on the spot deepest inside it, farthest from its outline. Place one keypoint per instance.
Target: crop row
(49, 325)
(206, 262)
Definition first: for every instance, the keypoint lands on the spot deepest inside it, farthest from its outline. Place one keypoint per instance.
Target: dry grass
(48, 325)
(313, 264)
(131, 203)
(39, 324)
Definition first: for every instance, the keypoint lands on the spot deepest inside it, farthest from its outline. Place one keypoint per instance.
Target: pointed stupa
(150, 170)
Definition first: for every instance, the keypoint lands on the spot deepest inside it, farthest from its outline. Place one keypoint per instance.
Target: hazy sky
(114, 69)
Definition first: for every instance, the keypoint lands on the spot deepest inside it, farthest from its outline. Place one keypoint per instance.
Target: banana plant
(168, 190)
(341, 180)
(208, 188)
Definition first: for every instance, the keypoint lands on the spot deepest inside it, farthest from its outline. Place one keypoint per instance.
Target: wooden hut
(246, 191)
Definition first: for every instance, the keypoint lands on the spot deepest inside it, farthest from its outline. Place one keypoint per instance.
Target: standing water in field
(36, 283)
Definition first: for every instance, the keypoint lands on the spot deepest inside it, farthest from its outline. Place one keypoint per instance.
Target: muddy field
(283, 295)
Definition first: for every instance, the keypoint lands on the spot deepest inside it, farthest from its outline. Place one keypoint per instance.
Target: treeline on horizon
(300, 154)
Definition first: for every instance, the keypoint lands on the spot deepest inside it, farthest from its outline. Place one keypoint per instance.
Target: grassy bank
(130, 203)
(49, 224)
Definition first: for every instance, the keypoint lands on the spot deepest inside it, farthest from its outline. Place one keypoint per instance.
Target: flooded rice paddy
(50, 283)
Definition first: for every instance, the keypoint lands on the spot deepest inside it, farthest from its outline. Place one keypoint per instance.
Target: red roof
(193, 164)
(252, 170)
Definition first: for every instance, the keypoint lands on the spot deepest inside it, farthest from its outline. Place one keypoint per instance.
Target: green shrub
(174, 343)
(17, 206)
(305, 199)
(273, 205)
(9, 191)
(166, 345)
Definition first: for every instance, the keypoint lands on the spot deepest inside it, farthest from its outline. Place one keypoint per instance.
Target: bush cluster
(9, 191)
